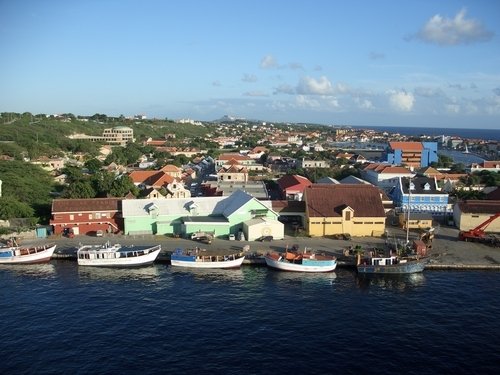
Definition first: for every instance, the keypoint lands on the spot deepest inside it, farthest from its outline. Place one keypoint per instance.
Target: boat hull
(117, 259)
(200, 263)
(28, 255)
(402, 268)
(309, 266)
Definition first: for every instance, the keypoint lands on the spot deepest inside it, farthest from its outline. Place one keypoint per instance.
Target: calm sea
(62, 319)
(485, 134)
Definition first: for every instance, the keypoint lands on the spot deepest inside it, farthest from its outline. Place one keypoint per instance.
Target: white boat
(117, 255)
(26, 254)
(301, 261)
(195, 258)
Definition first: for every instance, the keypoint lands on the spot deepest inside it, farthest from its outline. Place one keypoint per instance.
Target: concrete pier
(447, 252)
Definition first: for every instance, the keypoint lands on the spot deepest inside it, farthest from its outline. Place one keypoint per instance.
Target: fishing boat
(301, 261)
(26, 254)
(392, 264)
(116, 255)
(197, 258)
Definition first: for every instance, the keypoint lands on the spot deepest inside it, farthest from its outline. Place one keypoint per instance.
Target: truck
(202, 236)
(478, 233)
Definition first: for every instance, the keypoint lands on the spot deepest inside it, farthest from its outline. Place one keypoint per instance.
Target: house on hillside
(158, 180)
(86, 216)
(356, 210)
(385, 176)
(486, 165)
(292, 186)
(232, 172)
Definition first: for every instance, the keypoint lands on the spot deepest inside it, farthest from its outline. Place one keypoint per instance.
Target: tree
(11, 208)
(121, 186)
(79, 190)
(93, 165)
(73, 173)
(102, 181)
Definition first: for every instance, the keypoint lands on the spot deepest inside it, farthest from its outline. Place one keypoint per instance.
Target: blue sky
(393, 63)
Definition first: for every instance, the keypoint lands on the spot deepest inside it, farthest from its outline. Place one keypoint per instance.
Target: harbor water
(59, 318)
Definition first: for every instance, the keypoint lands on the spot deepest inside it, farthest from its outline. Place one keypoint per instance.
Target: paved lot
(447, 251)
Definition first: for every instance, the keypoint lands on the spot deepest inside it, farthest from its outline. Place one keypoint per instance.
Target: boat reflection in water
(119, 274)
(399, 282)
(37, 270)
(291, 278)
(209, 274)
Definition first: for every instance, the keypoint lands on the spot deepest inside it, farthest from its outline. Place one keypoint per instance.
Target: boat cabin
(385, 261)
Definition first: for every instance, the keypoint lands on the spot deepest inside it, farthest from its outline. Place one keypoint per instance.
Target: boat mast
(408, 214)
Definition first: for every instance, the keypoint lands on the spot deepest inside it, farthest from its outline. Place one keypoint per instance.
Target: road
(446, 252)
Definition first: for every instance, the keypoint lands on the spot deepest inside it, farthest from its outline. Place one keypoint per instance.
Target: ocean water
(474, 133)
(62, 319)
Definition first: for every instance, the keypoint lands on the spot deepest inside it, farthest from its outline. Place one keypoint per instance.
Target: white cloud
(428, 92)
(268, 62)
(284, 89)
(453, 31)
(453, 108)
(249, 78)
(311, 86)
(401, 100)
(364, 103)
(305, 101)
(254, 93)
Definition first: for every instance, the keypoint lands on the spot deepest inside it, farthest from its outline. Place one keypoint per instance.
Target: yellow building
(469, 214)
(356, 210)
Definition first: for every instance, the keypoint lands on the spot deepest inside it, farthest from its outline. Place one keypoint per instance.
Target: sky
(376, 63)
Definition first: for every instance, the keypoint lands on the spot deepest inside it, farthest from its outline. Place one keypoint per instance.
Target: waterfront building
(182, 217)
(355, 210)
(420, 194)
(86, 216)
(468, 214)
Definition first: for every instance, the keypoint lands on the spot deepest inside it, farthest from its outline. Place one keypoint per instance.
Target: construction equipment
(478, 233)
(427, 236)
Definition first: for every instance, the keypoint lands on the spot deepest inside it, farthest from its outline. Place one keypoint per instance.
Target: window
(72, 217)
(347, 215)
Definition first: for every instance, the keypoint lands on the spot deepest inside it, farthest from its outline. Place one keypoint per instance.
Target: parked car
(204, 239)
(265, 238)
(231, 237)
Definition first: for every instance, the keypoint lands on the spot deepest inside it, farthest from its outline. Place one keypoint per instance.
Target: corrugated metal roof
(330, 200)
(86, 205)
(479, 206)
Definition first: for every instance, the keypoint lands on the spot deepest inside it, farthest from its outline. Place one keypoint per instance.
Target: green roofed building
(184, 216)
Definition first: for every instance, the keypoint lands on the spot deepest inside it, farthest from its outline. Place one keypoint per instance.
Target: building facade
(356, 210)
(86, 216)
